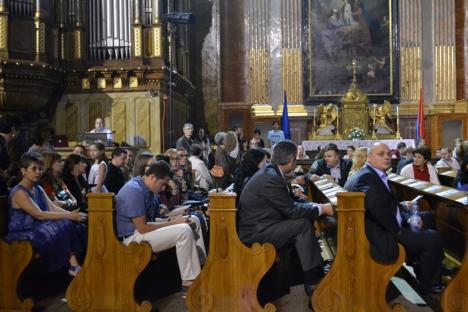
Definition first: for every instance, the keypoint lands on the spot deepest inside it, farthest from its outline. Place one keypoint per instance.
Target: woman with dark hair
(254, 159)
(98, 170)
(52, 183)
(421, 168)
(142, 161)
(34, 217)
(75, 167)
(203, 139)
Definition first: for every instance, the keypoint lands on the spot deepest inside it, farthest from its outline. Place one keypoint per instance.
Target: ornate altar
(375, 120)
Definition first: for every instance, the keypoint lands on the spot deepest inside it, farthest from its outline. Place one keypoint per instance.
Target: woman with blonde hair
(359, 160)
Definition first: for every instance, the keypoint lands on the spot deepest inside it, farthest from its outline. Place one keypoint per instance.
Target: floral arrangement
(356, 134)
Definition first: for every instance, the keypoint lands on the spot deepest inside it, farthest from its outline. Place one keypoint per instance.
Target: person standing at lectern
(99, 128)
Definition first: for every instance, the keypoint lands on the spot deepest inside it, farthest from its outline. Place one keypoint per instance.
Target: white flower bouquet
(356, 134)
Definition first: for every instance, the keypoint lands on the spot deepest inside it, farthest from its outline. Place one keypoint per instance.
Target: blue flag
(285, 119)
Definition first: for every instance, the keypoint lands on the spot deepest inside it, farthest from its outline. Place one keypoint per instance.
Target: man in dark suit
(185, 141)
(267, 214)
(331, 164)
(386, 222)
(405, 158)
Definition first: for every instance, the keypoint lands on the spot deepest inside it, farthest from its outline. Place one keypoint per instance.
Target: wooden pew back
(14, 258)
(447, 205)
(232, 273)
(455, 296)
(355, 282)
(107, 278)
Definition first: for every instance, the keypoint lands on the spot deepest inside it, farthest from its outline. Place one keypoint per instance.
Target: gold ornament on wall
(101, 83)
(85, 84)
(133, 82)
(117, 83)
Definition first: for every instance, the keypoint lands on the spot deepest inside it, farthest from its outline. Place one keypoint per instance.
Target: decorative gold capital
(138, 44)
(4, 32)
(157, 41)
(77, 51)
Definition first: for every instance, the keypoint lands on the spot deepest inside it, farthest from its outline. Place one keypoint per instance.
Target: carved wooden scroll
(231, 275)
(355, 282)
(108, 275)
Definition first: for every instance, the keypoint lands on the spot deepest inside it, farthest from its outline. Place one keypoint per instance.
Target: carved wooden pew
(355, 281)
(107, 278)
(14, 258)
(449, 206)
(455, 296)
(232, 273)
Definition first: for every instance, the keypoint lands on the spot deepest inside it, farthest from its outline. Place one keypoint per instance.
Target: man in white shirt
(99, 128)
(447, 161)
(276, 135)
(202, 176)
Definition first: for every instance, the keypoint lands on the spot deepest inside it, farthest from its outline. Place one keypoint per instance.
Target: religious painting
(342, 30)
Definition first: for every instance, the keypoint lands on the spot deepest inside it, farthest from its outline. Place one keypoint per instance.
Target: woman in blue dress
(55, 233)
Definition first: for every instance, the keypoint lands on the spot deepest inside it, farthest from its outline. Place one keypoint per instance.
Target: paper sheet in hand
(177, 211)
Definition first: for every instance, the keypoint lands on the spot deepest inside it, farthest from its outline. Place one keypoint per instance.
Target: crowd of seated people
(49, 191)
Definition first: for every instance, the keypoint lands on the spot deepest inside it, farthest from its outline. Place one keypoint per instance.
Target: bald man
(386, 222)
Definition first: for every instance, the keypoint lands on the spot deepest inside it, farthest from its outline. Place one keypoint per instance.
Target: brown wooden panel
(461, 37)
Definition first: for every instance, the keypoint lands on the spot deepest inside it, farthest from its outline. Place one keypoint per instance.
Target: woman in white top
(98, 170)
(202, 176)
(421, 168)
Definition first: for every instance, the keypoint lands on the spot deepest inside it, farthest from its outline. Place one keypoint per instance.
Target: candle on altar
(337, 119)
(398, 117)
(313, 130)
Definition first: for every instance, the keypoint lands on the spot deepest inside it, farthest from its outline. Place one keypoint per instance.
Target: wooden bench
(355, 281)
(232, 273)
(455, 296)
(109, 272)
(14, 258)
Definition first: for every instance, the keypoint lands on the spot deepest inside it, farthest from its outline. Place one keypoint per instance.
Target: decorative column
(259, 57)
(78, 36)
(156, 50)
(461, 25)
(3, 30)
(62, 54)
(291, 51)
(137, 32)
(39, 27)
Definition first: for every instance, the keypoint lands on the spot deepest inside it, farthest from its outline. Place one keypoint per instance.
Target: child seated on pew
(49, 228)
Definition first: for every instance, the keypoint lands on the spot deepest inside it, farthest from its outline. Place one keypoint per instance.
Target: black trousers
(425, 247)
(300, 232)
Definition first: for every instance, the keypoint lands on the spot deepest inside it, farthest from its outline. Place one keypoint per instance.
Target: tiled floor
(296, 301)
